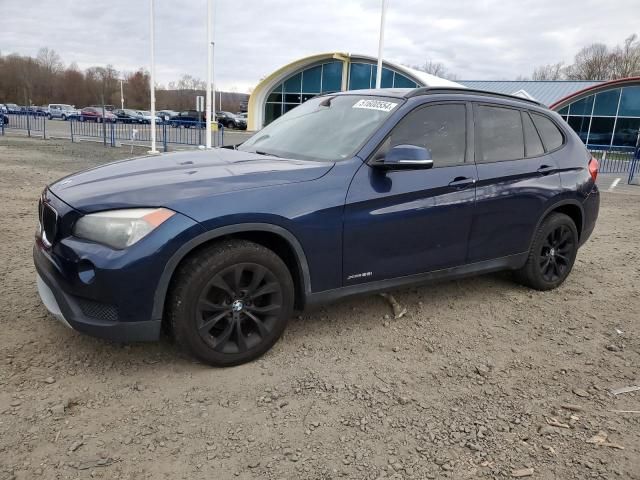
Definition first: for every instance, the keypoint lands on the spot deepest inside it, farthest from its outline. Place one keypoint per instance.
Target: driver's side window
(441, 129)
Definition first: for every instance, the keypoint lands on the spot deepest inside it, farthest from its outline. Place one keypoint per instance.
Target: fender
(560, 203)
(184, 250)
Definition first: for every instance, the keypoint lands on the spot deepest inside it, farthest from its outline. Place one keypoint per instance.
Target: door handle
(545, 169)
(462, 182)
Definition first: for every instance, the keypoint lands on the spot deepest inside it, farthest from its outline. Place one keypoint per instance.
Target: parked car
(13, 108)
(349, 193)
(3, 108)
(62, 111)
(95, 114)
(127, 115)
(5, 118)
(229, 120)
(167, 115)
(144, 116)
(187, 119)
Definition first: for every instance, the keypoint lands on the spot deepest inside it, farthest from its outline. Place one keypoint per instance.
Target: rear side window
(441, 129)
(551, 135)
(532, 144)
(499, 133)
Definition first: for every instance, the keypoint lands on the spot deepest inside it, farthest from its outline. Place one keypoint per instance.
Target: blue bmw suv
(349, 193)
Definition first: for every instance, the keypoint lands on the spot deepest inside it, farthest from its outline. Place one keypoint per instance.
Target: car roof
(420, 91)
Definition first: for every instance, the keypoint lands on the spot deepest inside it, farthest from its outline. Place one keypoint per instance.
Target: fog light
(86, 271)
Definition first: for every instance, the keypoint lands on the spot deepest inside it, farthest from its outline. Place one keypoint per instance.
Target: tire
(552, 254)
(50, 117)
(215, 317)
(98, 120)
(64, 118)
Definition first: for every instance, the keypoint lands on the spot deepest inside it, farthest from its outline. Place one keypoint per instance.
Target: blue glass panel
(581, 126)
(359, 76)
(275, 95)
(630, 102)
(293, 84)
(403, 82)
(582, 107)
(601, 130)
(271, 112)
(387, 78)
(332, 77)
(311, 80)
(626, 134)
(607, 102)
(564, 111)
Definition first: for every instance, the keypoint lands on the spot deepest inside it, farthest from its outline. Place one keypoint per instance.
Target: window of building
(499, 134)
(630, 102)
(626, 134)
(607, 103)
(551, 136)
(582, 106)
(302, 86)
(581, 126)
(601, 131)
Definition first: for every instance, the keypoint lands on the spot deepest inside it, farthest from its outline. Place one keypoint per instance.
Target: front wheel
(553, 252)
(231, 303)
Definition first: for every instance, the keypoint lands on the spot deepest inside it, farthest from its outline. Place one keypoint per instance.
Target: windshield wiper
(259, 152)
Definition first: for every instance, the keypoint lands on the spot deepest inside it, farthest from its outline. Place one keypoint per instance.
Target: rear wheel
(231, 303)
(552, 253)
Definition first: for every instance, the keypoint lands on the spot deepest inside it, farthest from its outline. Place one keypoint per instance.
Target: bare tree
(554, 71)
(435, 68)
(625, 60)
(591, 63)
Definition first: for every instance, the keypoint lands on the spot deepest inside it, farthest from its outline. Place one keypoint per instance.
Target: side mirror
(407, 157)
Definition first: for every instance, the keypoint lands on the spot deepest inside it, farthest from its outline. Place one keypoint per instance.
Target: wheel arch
(570, 207)
(266, 234)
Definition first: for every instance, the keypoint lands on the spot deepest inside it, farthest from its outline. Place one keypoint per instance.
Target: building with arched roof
(307, 77)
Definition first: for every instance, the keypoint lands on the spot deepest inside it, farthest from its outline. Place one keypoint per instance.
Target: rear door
(516, 178)
(405, 222)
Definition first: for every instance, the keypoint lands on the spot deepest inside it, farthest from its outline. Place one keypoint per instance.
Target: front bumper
(71, 312)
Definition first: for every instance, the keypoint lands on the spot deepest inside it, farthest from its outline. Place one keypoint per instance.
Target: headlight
(120, 228)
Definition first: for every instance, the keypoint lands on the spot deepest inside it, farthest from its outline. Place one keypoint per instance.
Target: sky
(474, 39)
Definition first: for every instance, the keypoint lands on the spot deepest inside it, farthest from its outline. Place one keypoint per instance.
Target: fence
(184, 133)
(29, 122)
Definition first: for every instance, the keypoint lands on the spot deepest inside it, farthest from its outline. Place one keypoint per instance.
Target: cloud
(475, 39)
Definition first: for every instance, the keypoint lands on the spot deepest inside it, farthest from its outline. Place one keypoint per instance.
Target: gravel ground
(481, 377)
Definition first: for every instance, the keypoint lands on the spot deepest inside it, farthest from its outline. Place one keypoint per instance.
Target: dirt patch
(481, 377)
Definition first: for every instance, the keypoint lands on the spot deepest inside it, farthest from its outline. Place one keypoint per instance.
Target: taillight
(593, 168)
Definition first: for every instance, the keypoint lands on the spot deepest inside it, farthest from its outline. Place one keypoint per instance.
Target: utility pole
(121, 94)
(152, 77)
(209, 70)
(381, 44)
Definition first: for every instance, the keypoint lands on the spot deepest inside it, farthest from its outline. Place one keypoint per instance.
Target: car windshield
(323, 128)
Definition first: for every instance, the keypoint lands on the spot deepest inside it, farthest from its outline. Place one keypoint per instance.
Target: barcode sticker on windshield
(375, 105)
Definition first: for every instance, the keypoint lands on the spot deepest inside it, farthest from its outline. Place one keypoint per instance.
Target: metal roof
(545, 91)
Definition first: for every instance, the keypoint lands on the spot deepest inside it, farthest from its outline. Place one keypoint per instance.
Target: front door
(406, 222)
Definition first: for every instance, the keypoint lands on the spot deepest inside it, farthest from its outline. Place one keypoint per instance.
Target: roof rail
(470, 91)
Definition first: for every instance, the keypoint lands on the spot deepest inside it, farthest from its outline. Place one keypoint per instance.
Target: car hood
(165, 180)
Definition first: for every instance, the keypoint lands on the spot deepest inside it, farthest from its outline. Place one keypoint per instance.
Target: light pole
(121, 94)
(152, 80)
(381, 44)
(209, 70)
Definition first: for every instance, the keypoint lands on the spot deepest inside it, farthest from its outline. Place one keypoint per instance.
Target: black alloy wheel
(238, 308)
(552, 254)
(556, 252)
(230, 302)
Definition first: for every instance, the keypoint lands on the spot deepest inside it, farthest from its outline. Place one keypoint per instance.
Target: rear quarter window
(551, 135)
